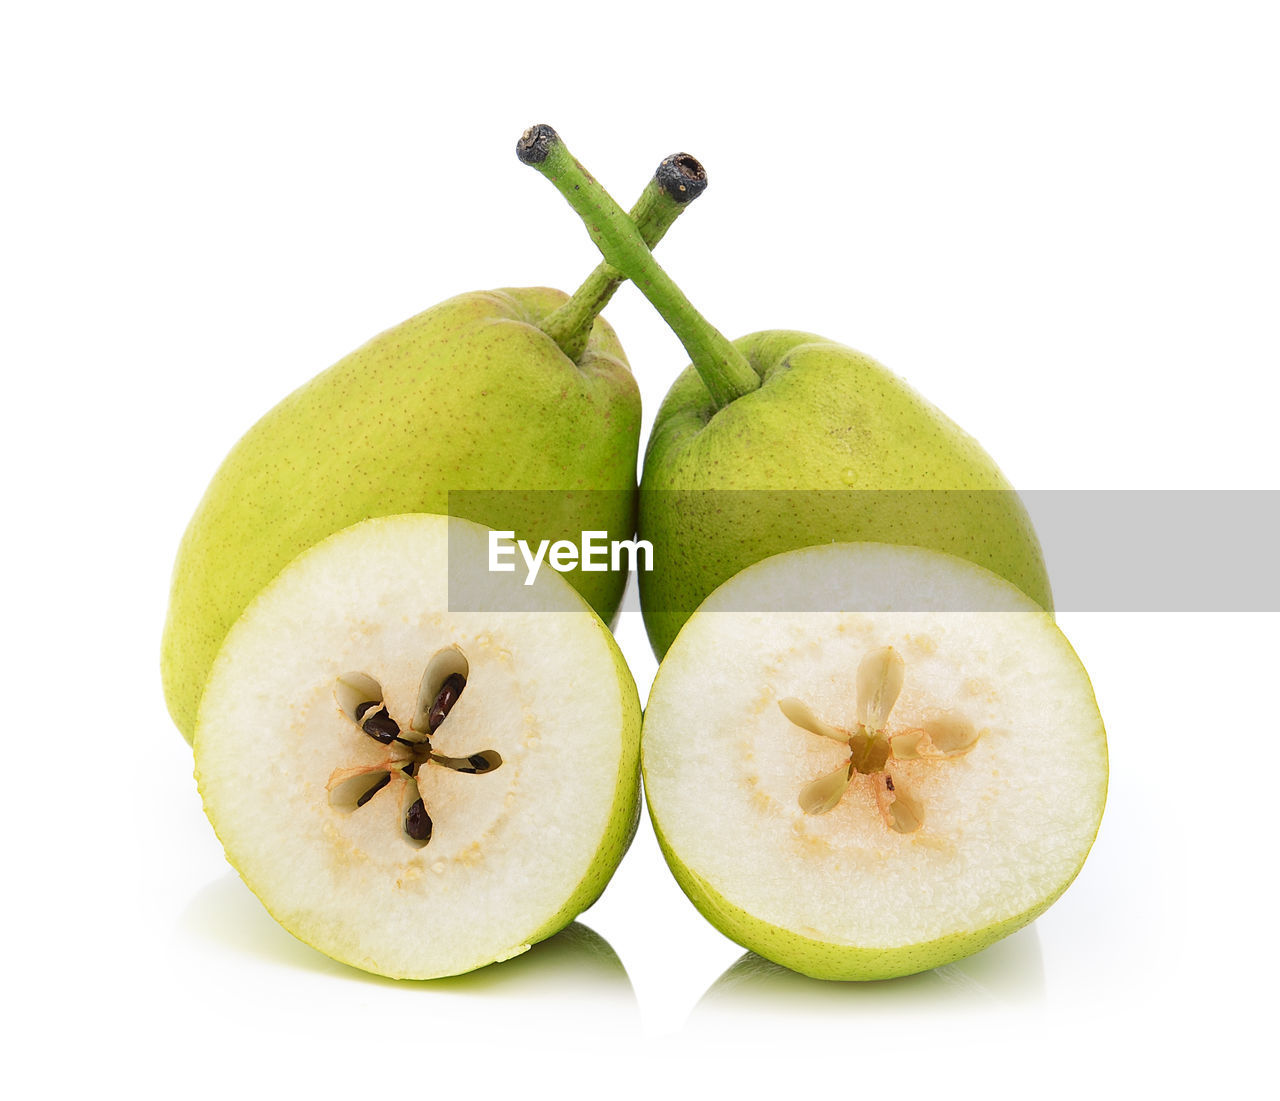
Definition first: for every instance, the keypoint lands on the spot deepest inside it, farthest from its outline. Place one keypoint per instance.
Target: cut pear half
(881, 788)
(413, 790)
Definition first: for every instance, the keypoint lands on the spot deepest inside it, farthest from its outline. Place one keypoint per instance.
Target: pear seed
(485, 761)
(381, 727)
(383, 782)
(417, 823)
(445, 699)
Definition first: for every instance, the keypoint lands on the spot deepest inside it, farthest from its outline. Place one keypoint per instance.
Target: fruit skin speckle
(729, 489)
(319, 461)
(821, 960)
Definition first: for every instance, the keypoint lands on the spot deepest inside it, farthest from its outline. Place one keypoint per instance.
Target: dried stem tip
(535, 144)
(682, 177)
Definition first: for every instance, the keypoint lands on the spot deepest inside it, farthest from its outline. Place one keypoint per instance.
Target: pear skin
(468, 395)
(838, 449)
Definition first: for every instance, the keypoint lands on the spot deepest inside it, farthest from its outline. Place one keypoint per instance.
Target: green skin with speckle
(824, 418)
(469, 395)
(624, 818)
(820, 960)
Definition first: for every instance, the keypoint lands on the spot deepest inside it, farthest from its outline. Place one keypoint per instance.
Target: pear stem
(678, 180)
(723, 368)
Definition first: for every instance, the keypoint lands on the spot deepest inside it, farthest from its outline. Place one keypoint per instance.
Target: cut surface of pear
(470, 395)
(412, 790)
(881, 787)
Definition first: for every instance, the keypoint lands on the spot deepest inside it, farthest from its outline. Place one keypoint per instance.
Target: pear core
(360, 699)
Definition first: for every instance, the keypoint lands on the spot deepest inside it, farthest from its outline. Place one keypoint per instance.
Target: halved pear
(864, 761)
(412, 787)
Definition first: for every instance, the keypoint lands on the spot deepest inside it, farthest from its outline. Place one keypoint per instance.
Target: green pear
(830, 447)
(507, 394)
(786, 439)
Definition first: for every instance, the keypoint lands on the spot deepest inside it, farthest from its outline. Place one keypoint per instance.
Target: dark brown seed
(445, 699)
(484, 762)
(417, 823)
(888, 782)
(363, 709)
(381, 727)
(386, 779)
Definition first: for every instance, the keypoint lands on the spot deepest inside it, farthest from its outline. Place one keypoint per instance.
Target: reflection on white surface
(1009, 973)
(577, 960)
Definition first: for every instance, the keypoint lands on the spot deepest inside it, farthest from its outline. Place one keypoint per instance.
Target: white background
(1059, 222)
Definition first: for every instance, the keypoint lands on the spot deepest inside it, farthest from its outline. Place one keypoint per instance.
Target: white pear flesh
(994, 822)
(516, 853)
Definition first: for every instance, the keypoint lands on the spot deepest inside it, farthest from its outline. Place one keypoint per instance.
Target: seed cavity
(355, 693)
(872, 747)
(377, 787)
(444, 701)
(802, 715)
(350, 788)
(826, 791)
(360, 698)
(947, 735)
(901, 812)
(879, 683)
(417, 822)
(380, 726)
(477, 764)
(448, 666)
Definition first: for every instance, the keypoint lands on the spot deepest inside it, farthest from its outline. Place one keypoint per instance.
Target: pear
(411, 789)
(864, 760)
(786, 439)
(519, 403)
